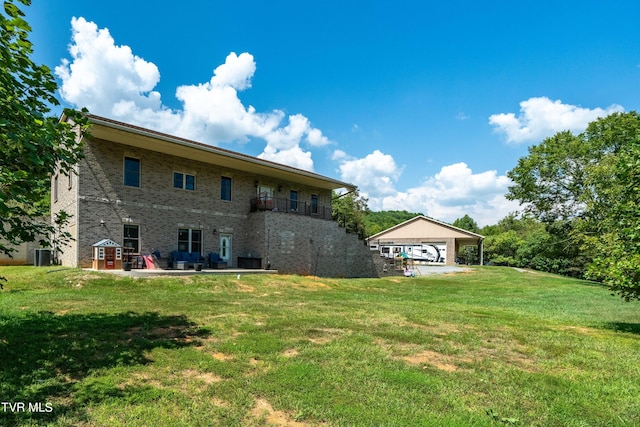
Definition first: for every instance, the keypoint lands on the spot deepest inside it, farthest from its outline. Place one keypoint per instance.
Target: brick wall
(309, 246)
(64, 190)
(104, 205)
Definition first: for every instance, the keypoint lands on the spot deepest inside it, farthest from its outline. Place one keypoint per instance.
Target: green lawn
(491, 347)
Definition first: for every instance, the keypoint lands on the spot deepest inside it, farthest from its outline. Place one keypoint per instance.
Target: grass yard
(491, 347)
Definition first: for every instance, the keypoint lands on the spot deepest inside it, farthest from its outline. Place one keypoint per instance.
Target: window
(184, 181)
(314, 203)
(101, 255)
(190, 182)
(189, 240)
(70, 181)
(132, 237)
(131, 172)
(293, 200)
(225, 188)
(265, 192)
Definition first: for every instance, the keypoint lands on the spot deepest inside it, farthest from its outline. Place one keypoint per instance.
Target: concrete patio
(143, 272)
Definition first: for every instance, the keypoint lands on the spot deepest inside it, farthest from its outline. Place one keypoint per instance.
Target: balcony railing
(296, 207)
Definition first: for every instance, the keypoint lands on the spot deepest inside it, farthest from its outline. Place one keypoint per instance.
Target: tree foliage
(585, 189)
(467, 223)
(376, 222)
(468, 254)
(348, 210)
(525, 242)
(616, 211)
(34, 143)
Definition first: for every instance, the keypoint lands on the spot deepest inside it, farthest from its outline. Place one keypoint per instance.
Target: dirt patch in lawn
(263, 410)
(205, 377)
(499, 350)
(323, 336)
(435, 359)
(292, 352)
(222, 357)
(243, 287)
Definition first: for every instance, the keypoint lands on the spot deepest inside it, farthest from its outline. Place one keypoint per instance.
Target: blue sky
(424, 105)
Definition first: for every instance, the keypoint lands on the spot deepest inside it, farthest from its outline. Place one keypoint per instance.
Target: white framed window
(189, 240)
(132, 237)
(184, 181)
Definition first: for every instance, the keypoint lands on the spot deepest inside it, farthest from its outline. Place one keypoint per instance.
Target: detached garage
(426, 240)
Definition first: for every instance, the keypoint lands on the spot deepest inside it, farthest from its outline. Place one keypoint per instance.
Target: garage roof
(422, 227)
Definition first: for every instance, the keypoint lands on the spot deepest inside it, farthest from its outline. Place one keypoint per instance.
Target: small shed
(425, 240)
(107, 255)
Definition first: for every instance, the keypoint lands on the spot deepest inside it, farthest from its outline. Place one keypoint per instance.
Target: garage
(424, 240)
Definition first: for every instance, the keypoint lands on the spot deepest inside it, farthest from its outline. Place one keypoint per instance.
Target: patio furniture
(189, 258)
(216, 262)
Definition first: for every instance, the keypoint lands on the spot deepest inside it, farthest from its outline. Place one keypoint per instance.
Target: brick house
(156, 193)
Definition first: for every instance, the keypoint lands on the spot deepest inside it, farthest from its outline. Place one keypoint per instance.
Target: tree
(469, 254)
(376, 222)
(617, 242)
(585, 189)
(467, 223)
(34, 144)
(348, 210)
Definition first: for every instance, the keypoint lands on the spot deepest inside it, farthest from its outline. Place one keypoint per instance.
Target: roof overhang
(123, 133)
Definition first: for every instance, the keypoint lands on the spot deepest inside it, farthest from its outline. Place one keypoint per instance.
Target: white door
(225, 247)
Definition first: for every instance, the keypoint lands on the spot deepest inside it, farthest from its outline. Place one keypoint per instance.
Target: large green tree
(348, 209)
(33, 143)
(467, 223)
(526, 242)
(615, 222)
(585, 189)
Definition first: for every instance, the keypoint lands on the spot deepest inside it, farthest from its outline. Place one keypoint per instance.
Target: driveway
(425, 270)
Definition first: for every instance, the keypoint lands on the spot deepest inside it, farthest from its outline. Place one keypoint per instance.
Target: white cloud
(283, 144)
(236, 72)
(375, 174)
(293, 156)
(340, 155)
(450, 194)
(101, 68)
(111, 81)
(455, 191)
(541, 117)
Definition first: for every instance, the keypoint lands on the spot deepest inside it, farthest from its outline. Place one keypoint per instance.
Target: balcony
(289, 206)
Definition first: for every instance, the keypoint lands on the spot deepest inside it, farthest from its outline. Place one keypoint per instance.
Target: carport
(417, 235)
